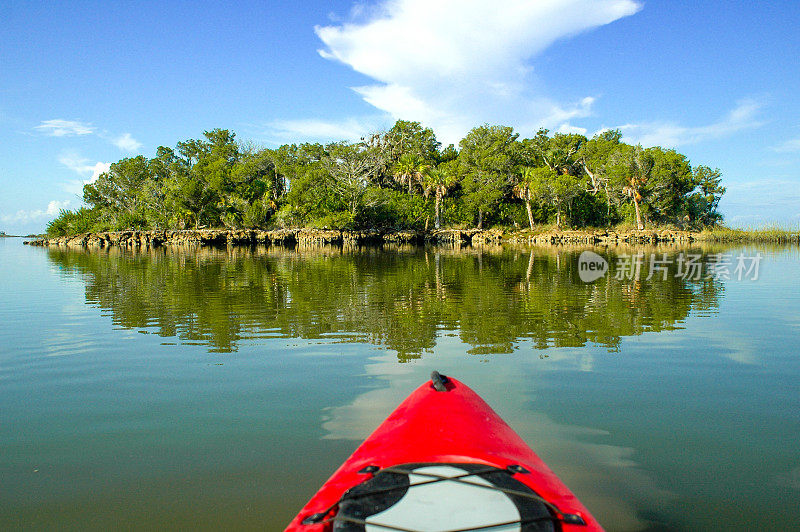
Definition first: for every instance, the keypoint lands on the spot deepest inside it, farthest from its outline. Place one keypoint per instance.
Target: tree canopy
(401, 178)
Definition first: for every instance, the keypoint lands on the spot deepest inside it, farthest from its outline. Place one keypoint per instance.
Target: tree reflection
(400, 298)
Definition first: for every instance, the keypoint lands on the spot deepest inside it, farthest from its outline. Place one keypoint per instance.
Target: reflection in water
(411, 300)
(398, 298)
(691, 429)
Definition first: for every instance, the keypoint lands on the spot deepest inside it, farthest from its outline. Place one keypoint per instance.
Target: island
(401, 185)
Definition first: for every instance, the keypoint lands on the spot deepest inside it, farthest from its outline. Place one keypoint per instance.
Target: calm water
(215, 389)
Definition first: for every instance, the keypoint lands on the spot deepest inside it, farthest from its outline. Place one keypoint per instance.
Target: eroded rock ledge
(602, 237)
(456, 237)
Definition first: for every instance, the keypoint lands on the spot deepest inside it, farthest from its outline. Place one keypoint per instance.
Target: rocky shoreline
(291, 237)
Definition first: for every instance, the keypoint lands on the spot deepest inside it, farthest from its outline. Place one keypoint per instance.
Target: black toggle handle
(438, 380)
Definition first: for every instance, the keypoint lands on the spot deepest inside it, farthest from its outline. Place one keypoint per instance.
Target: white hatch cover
(447, 504)
(432, 497)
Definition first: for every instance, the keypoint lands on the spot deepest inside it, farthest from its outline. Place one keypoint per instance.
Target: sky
(84, 84)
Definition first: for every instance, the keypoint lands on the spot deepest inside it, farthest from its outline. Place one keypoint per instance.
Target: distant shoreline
(291, 237)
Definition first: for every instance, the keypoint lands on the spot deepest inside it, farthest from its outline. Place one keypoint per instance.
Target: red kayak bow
(443, 460)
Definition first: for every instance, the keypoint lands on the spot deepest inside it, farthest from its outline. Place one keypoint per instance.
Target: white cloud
(668, 134)
(23, 216)
(54, 207)
(454, 64)
(566, 127)
(64, 128)
(71, 128)
(789, 146)
(127, 143)
(84, 167)
(97, 169)
(321, 130)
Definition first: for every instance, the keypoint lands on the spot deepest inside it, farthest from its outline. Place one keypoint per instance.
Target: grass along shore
(773, 235)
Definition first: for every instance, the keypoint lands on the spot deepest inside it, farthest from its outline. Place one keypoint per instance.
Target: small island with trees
(402, 179)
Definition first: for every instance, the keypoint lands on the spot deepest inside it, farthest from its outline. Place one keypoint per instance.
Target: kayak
(443, 461)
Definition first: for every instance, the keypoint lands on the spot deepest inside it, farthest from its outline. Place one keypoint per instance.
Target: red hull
(455, 426)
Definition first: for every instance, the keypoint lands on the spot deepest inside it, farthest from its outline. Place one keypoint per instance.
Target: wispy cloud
(453, 64)
(36, 215)
(668, 134)
(566, 127)
(73, 128)
(64, 128)
(790, 146)
(85, 168)
(321, 130)
(126, 142)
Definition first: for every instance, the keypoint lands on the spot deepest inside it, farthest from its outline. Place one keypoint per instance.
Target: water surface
(211, 388)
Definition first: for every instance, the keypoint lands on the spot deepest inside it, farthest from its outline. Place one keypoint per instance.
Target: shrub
(341, 221)
(70, 222)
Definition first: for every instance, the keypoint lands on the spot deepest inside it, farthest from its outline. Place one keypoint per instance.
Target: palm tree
(631, 167)
(439, 180)
(526, 181)
(410, 170)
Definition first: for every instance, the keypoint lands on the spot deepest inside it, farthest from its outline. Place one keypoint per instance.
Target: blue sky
(83, 84)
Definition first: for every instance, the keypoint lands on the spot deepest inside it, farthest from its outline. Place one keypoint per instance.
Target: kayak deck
(443, 460)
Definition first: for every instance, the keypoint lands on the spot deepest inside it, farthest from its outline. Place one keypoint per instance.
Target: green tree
(350, 168)
(670, 181)
(706, 198)
(310, 194)
(410, 170)
(440, 180)
(157, 208)
(565, 188)
(201, 181)
(629, 170)
(411, 138)
(524, 188)
(547, 186)
(254, 190)
(594, 156)
(120, 193)
(488, 157)
(560, 152)
(68, 222)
